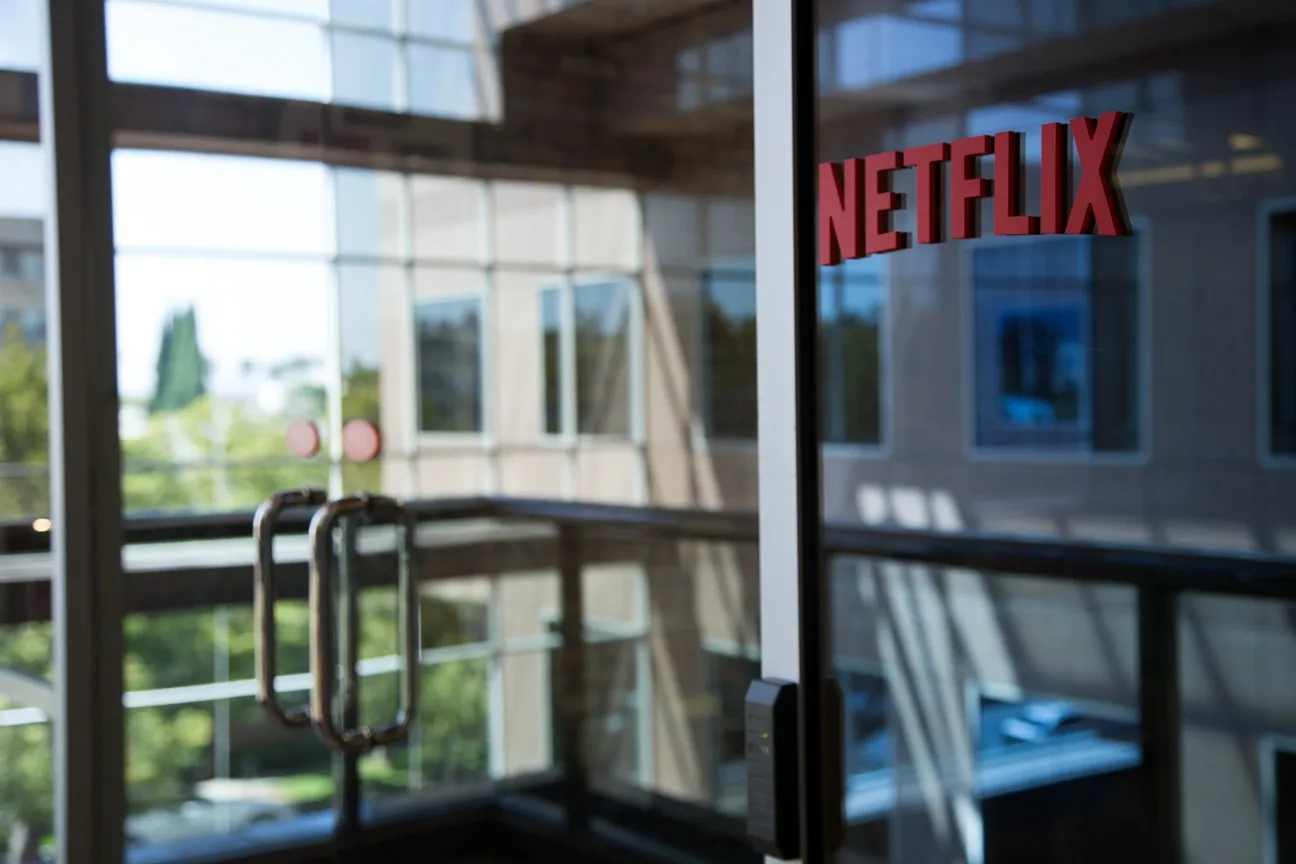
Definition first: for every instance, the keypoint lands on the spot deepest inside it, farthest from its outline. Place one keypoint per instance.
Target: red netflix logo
(855, 197)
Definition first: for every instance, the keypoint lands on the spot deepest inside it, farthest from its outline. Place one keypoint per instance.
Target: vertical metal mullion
(346, 766)
(574, 694)
(497, 694)
(1160, 722)
(85, 457)
(794, 636)
(568, 374)
(491, 389)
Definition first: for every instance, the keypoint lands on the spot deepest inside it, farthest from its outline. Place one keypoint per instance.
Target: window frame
(714, 650)
(569, 436)
(701, 380)
(1265, 212)
(975, 452)
(485, 346)
(845, 665)
(1270, 748)
(704, 442)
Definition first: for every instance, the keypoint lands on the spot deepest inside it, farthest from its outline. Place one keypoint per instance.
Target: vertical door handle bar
(263, 599)
(323, 629)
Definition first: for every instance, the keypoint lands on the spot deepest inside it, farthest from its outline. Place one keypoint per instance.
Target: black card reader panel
(773, 791)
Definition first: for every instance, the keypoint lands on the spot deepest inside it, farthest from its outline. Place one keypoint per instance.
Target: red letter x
(1098, 199)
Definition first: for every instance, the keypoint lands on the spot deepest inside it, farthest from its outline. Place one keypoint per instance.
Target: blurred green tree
(196, 454)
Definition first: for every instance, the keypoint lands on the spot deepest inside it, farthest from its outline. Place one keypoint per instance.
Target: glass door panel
(224, 303)
(28, 696)
(1080, 334)
(431, 298)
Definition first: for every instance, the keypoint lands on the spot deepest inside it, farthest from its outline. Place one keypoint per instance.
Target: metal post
(575, 697)
(85, 462)
(1161, 722)
(794, 637)
(346, 764)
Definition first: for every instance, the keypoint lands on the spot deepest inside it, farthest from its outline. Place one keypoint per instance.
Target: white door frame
(85, 459)
(792, 587)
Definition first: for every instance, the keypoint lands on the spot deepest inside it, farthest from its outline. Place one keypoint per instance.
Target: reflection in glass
(190, 203)
(851, 361)
(26, 747)
(365, 69)
(445, 82)
(201, 758)
(729, 676)
(601, 369)
(209, 49)
(1282, 334)
(1056, 329)
(728, 374)
(450, 365)
(602, 313)
(551, 330)
(24, 445)
(448, 20)
(20, 27)
(210, 379)
(449, 745)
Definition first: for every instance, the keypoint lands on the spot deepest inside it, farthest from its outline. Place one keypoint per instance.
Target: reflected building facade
(542, 285)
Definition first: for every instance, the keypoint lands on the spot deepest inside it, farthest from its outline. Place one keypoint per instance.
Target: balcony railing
(587, 664)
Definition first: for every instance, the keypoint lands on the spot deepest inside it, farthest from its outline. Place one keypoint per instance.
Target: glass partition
(28, 698)
(1081, 238)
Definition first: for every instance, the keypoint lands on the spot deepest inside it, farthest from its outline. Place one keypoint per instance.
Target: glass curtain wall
(28, 699)
(1088, 337)
(516, 291)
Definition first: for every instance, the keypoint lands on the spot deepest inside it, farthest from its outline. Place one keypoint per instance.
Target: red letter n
(841, 230)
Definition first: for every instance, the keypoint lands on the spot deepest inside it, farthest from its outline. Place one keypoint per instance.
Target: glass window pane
(317, 10)
(451, 20)
(445, 82)
(530, 226)
(605, 228)
(602, 358)
(1056, 329)
(24, 401)
(729, 354)
(373, 303)
(207, 389)
(19, 35)
(202, 760)
(369, 14)
(365, 70)
(858, 333)
(370, 206)
(155, 43)
(551, 346)
(220, 204)
(449, 219)
(1282, 334)
(449, 352)
(29, 696)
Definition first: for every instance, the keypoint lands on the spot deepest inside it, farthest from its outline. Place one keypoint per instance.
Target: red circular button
(303, 439)
(361, 441)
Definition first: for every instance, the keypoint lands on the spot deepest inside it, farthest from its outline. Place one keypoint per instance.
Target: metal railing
(199, 561)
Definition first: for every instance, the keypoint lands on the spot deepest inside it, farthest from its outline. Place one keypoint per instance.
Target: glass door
(323, 246)
(1055, 286)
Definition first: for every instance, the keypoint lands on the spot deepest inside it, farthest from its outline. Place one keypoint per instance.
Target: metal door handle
(263, 598)
(322, 626)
